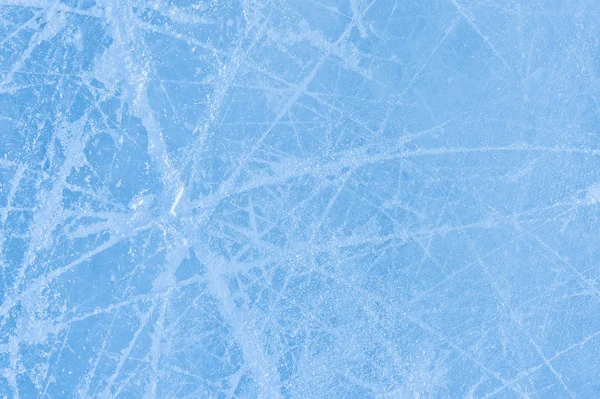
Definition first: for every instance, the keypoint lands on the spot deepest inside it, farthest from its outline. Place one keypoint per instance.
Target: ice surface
(299, 199)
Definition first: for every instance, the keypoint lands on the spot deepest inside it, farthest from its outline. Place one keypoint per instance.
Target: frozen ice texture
(299, 199)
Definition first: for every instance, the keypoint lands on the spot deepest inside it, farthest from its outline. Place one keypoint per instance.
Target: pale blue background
(299, 199)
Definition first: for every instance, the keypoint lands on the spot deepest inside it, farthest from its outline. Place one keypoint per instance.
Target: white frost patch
(136, 202)
(164, 281)
(177, 199)
(593, 194)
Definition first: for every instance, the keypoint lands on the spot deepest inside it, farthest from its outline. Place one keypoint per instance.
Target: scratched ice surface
(299, 199)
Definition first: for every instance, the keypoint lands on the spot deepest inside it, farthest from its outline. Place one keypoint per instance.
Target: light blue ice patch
(299, 199)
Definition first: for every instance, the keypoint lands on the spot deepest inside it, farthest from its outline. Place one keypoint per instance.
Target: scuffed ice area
(299, 199)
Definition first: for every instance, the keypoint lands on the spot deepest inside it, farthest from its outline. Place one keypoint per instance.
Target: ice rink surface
(299, 199)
